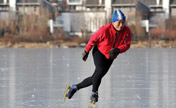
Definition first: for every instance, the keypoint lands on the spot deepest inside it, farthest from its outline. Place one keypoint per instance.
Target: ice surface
(36, 78)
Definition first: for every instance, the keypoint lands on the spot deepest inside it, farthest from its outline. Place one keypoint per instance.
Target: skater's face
(119, 24)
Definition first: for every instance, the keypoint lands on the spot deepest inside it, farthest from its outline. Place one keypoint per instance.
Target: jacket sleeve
(126, 43)
(95, 39)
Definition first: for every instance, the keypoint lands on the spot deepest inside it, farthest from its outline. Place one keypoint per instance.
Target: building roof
(151, 2)
(143, 8)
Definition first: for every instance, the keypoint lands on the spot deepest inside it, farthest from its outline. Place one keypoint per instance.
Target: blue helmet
(118, 15)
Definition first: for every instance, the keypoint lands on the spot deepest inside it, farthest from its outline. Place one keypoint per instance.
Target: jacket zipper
(115, 40)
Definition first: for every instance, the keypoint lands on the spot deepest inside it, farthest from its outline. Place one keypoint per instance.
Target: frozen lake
(36, 78)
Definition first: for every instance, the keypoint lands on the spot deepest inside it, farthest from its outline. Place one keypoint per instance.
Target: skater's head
(118, 19)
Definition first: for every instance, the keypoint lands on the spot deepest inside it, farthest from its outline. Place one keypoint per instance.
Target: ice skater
(107, 43)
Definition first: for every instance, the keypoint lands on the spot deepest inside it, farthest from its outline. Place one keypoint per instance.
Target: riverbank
(139, 44)
(154, 44)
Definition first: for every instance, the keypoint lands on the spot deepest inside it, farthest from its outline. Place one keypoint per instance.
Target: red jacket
(104, 38)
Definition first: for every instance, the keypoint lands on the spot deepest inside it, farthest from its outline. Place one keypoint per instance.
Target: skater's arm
(95, 39)
(126, 43)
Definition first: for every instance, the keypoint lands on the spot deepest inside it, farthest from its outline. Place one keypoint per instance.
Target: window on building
(35, 9)
(60, 8)
(103, 1)
(60, 1)
(4, 1)
(74, 1)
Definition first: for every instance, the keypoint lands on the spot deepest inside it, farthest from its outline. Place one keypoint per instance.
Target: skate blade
(91, 105)
(66, 91)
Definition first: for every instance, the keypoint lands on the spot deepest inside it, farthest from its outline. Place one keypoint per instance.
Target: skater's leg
(102, 66)
(100, 72)
(85, 83)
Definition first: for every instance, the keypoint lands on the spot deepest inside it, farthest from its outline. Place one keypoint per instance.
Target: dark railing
(28, 1)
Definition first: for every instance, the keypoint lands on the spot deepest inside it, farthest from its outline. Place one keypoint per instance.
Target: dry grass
(26, 28)
(154, 44)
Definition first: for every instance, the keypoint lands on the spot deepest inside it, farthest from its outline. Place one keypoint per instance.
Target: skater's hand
(114, 52)
(85, 55)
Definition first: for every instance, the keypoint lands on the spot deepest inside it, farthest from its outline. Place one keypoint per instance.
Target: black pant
(102, 66)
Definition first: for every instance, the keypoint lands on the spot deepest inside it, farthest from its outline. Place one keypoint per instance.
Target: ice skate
(93, 100)
(72, 91)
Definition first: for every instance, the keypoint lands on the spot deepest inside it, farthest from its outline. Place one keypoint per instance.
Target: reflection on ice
(141, 78)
